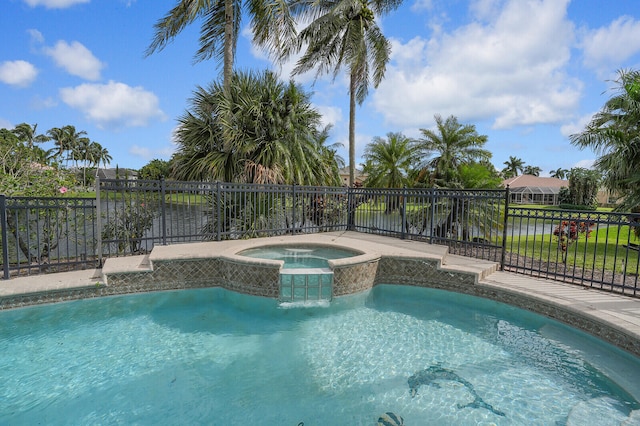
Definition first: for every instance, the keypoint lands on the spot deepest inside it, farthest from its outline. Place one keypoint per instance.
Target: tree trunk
(352, 130)
(227, 71)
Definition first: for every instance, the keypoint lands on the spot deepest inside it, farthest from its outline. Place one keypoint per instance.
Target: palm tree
(344, 33)
(67, 140)
(388, 161)
(260, 131)
(271, 23)
(532, 170)
(29, 135)
(513, 166)
(614, 135)
(559, 173)
(451, 145)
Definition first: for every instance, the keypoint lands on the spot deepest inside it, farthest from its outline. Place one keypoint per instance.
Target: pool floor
(216, 357)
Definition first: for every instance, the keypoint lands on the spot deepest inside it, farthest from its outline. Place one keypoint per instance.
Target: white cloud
(76, 59)
(610, 46)
(330, 114)
(5, 124)
(17, 73)
(576, 126)
(36, 36)
(585, 164)
(150, 154)
(113, 104)
(511, 69)
(55, 4)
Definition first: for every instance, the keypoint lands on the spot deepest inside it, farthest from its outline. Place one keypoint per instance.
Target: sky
(526, 73)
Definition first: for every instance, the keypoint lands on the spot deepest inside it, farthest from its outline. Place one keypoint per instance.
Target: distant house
(119, 173)
(359, 176)
(529, 189)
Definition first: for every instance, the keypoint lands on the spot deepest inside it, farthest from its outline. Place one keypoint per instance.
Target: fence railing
(129, 217)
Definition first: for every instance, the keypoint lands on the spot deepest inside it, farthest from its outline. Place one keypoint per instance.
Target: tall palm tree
(514, 166)
(67, 140)
(271, 23)
(614, 135)
(559, 173)
(344, 33)
(451, 145)
(532, 170)
(28, 134)
(388, 161)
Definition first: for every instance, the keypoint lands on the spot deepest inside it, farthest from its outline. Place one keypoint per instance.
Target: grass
(604, 249)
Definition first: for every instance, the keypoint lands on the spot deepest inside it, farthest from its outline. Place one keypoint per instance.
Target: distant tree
(28, 134)
(583, 187)
(479, 176)
(155, 169)
(514, 166)
(532, 170)
(614, 134)
(559, 173)
(451, 145)
(388, 161)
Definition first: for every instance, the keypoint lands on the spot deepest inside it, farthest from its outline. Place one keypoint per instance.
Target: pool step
(305, 285)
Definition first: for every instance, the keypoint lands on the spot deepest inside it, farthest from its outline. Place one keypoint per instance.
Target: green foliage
(479, 176)
(261, 130)
(127, 227)
(450, 146)
(388, 161)
(155, 170)
(583, 188)
(614, 134)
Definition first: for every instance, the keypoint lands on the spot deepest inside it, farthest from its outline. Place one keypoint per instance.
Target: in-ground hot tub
(306, 274)
(301, 256)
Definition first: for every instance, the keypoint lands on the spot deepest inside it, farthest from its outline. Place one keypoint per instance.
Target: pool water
(299, 257)
(210, 356)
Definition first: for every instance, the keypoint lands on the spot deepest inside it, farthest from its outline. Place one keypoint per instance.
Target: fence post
(163, 209)
(403, 215)
(216, 207)
(293, 214)
(433, 214)
(351, 213)
(5, 236)
(504, 228)
(98, 221)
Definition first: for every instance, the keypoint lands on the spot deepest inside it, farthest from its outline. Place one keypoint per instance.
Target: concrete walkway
(605, 313)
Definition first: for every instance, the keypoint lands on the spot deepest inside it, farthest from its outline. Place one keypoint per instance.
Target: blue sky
(527, 73)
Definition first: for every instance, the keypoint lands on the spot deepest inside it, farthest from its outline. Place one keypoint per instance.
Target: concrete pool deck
(611, 317)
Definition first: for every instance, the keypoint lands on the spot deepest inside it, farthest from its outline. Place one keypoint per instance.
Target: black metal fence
(129, 217)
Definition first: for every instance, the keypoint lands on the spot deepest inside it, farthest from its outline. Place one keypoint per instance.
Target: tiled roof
(525, 181)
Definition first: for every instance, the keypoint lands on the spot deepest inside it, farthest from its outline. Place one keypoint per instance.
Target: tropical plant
(155, 170)
(343, 33)
(479, 175)
(614, 134)
(271, 25)
(559, 173)
(513, 166)
(388, 161)
(583, 187)
(532, 170)
(261, 130)
(450, 145)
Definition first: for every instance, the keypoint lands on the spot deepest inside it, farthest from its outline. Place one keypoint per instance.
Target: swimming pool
(212, 356)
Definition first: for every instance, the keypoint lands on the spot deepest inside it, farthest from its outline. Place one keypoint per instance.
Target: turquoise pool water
(299, 257)
(214, 357)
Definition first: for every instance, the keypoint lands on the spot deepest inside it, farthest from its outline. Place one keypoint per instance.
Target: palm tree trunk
(352, 129)
(227, 72)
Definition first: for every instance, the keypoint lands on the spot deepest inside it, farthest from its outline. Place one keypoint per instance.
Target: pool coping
(608, 316)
